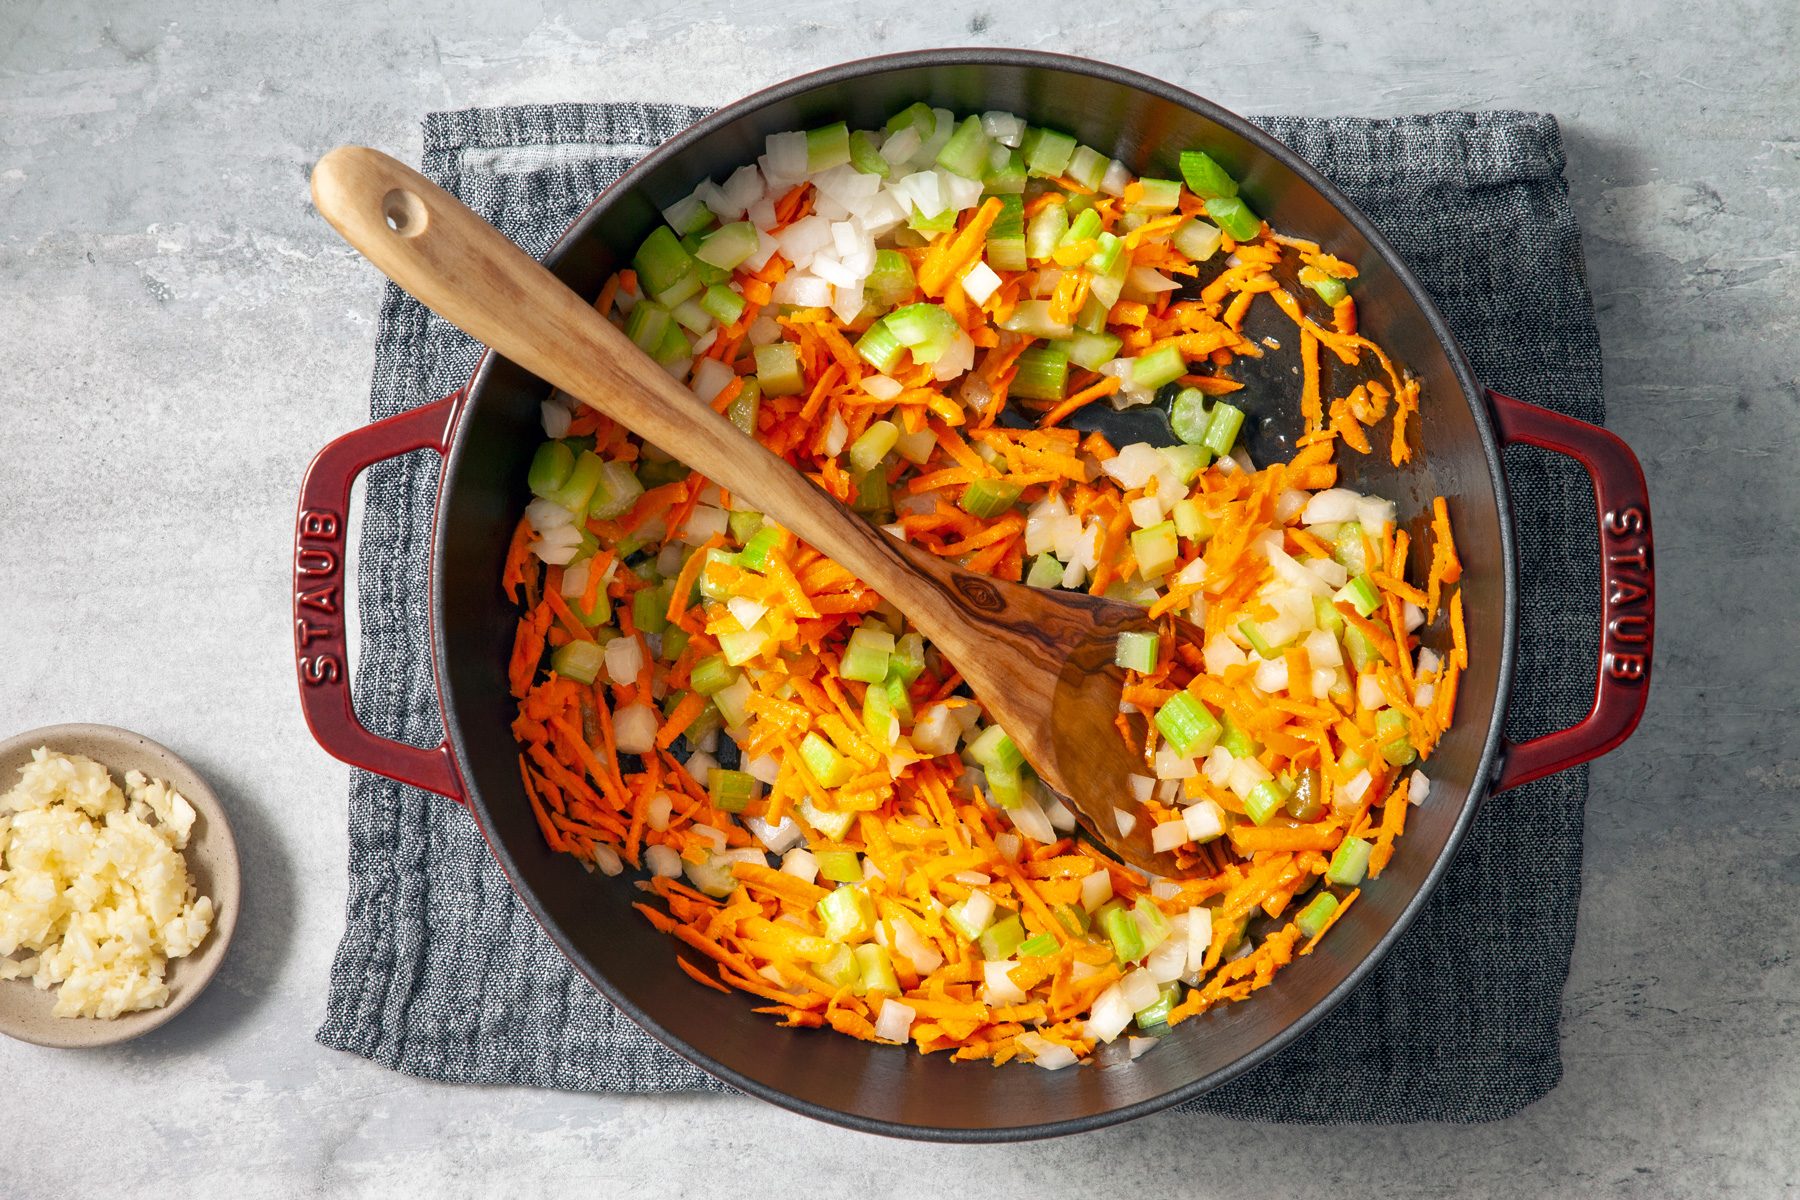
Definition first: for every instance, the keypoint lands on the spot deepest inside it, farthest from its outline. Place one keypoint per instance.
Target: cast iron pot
(486, 434)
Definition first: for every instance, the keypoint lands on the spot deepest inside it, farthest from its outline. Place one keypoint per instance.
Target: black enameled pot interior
(892, 1090)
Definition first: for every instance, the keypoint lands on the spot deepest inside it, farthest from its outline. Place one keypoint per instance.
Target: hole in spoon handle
(405, 212)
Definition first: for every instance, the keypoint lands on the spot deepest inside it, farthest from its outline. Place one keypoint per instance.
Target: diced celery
(1083, 227)
(827, 147)
(865, 156)
(879, 347)
(731, 791)
(875, 970)
(890, 280)
(1327, 617)
(1049, 153)
(1263, 647)
(1121, 929)
(1136, 651)
(931, 223)
(673, 347)
(1237, 743)
(824, 762)
(1091, 351)
(1042, 373)
(1191, 520)
(692, 316)
(1000, 939)
(580, 661)
(917, 115)
(1348, 550)
(778, 369)
(1363, 652)
(1349, 862)
(1197, 239)
(578, 488)
(1205, 177)
(650, 609)
(1006, 236)
(740, 648)
(1073, 918)
(1106, 257)
(616, 491)
(1087, 167)
(1045, 231)
(1329, 288)
(744, 408)
(1157, 367)
(841, 969)
(647, 324)
(1394, 734)
(839, 866)
(1222, 429)
(674, 643)
(1039, 945)
(1189, 415)
(722, 303)
(966, 153)
(1234, 217)
(1033, 317)
(872, 493)
(1153, 926)
(925, 329)
(713, 674)
(600, 614)
(755, 554)
(743, 524)
(1155, 549)
(1044, 573)
(728, 245)
(1156, 1014)
(1188, 725)
(660, 261)
(846, 913)
(988, 497)
(1005, 175)
(867, 451)
(866, 655)
(1311, 919)
(550, 468)
(908, 660)
(1188, 461)
(1264, 801)
(1359, 594)
(970, 915)
(1160, 196)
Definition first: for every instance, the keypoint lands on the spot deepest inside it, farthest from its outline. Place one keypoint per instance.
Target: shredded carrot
(869, 770)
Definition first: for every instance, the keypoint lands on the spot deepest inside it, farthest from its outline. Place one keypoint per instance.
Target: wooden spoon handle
(467, 272)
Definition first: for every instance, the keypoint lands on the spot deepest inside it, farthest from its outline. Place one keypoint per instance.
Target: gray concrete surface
(178, 334)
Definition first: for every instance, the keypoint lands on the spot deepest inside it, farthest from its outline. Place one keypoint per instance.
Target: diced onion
(895, 1021)
(634, 729)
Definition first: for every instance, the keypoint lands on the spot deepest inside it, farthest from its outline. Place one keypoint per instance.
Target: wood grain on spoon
(1041, 661)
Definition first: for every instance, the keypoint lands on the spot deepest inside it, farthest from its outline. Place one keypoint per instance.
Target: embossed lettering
(1626, 592)
(1639, 558)
(1626, 667)
(1630, 628)
(322, 599)
(312, 560)
(1630, 520)
(320, 523)
(322, 668)
(304, 634)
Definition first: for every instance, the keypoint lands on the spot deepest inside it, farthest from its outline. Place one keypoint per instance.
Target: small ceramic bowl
(212, 861)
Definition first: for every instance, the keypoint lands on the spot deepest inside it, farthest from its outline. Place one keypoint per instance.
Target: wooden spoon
(1041, 661)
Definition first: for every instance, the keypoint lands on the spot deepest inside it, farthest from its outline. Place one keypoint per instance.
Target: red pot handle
(1627, 589)
(321, 599)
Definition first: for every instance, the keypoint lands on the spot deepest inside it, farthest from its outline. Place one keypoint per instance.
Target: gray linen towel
(443, 974)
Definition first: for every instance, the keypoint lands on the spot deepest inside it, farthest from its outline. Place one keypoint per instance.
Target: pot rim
(1474, 395)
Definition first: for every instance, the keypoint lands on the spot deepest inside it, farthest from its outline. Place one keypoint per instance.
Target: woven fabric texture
(443, 974)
